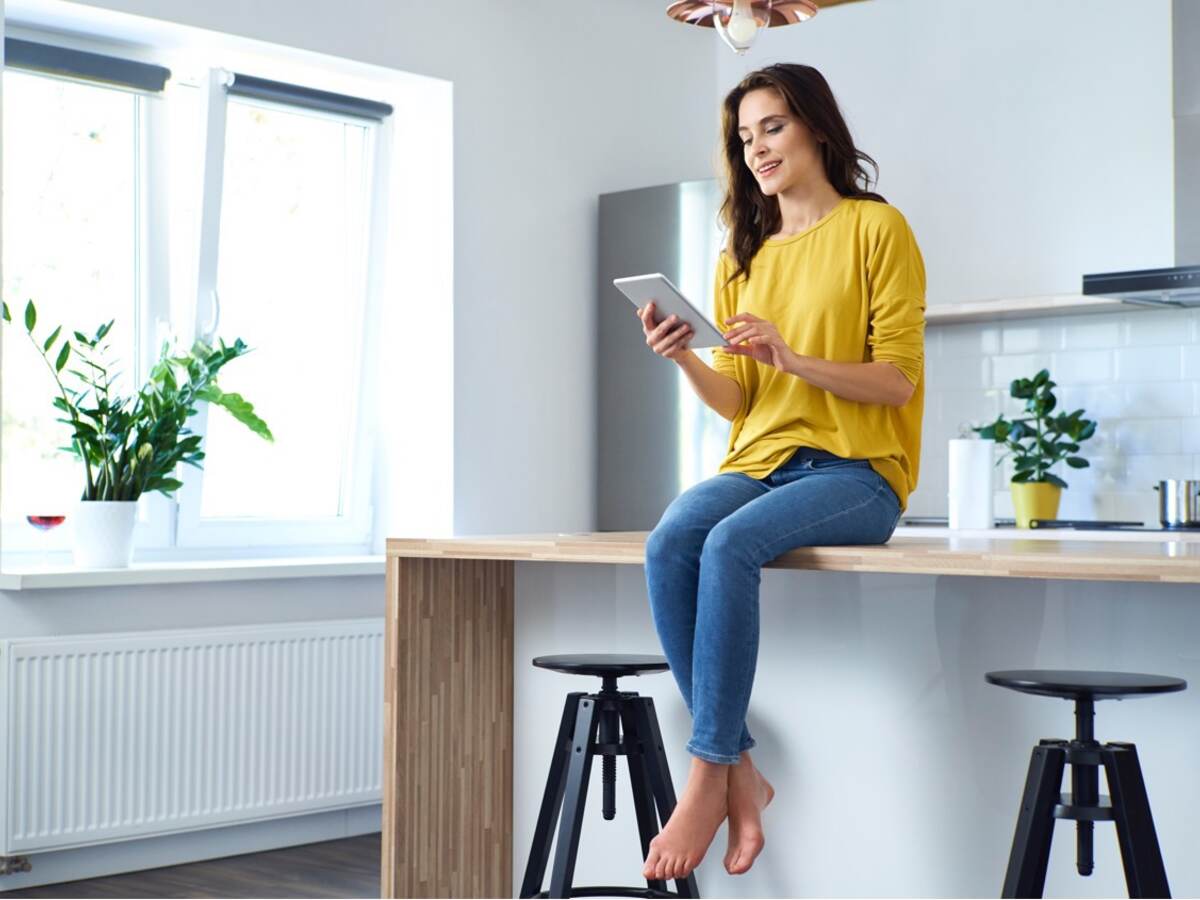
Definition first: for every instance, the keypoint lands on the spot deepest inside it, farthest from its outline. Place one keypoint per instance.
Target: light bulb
(741, 28)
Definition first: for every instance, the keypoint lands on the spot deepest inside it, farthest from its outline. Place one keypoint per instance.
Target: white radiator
(109, 737)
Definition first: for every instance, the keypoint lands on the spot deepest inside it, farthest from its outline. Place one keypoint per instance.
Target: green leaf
(1041, 378)
(7, 315)
(1051, 478)
(239, 408)
(1021, 388)
(987, 432)
(53, 337)
(62, 357)
(1077, 462)
(30, 316)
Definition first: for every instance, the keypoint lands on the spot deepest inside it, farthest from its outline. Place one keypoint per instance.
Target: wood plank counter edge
(1144, 561)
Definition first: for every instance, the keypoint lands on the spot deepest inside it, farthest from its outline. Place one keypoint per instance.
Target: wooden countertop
(1167, 561)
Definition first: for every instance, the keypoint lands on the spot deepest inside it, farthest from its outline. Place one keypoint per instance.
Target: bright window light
(70, 245)
(291, 281)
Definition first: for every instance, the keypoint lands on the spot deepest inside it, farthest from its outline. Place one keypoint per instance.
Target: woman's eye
(775, 130)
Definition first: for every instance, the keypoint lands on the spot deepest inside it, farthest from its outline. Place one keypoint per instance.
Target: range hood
(1179, 285)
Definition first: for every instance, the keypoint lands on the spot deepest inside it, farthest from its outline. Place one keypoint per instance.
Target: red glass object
(45, 523)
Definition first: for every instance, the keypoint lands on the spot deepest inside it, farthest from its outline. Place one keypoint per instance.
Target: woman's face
(778, 148)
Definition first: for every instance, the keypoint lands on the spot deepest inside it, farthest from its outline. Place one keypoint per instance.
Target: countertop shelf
(1024, 308)
(1164, 561)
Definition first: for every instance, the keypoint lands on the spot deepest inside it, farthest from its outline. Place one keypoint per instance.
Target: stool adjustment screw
(610, 735)
(1085, 783)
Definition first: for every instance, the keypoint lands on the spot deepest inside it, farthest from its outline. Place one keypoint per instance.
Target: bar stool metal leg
(575, 797)
(556, 783)
(1030, 856)
(643, 790)
(660, 779)
(1145, 874)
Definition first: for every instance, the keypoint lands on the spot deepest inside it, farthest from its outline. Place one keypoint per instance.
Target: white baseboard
(211, 843)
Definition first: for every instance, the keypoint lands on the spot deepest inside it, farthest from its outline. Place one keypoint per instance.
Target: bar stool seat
(1074, 685)
(607, 724)
(603, 664)
(1042, 803)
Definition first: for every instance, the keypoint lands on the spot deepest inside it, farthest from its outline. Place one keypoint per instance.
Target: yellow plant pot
(1034, 500)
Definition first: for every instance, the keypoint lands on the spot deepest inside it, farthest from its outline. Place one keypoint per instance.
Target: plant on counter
(1037, 442)
(131, 446)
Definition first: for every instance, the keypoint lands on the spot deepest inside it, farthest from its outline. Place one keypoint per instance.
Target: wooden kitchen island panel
(447, 809)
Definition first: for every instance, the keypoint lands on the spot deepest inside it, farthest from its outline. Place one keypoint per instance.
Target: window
(290, 218)
(224, 206)
(72, 177)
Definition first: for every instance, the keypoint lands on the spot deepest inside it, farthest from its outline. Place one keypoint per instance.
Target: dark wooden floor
(343, 868)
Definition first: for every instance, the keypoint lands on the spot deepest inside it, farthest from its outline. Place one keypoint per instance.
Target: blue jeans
(703, 563)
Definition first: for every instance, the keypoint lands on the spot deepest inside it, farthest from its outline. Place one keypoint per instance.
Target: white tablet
(668, 300)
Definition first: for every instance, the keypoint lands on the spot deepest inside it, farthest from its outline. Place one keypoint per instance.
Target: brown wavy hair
(749, 215)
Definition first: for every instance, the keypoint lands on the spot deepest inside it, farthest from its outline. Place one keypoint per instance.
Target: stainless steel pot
(1179, 503)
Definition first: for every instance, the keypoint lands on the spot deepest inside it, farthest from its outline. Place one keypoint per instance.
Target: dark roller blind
(307, 98)
(52, 60)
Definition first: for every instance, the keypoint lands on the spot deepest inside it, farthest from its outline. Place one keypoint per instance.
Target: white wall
(554, 104)
(1026, 142)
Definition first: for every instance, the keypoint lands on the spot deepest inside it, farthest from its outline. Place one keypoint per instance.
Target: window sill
(189, 572)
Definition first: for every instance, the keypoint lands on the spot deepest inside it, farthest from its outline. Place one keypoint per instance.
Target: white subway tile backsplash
(1005, 369)
(1149, 327)
(968, 408)
(1143, 401)
(1135, 437)
(1191, 362)
(969, 339)
(1105, 401)
(1028, 338)
(1144, 471)
(1190, 442)
(1082, 366)
(1136, 372)
(964, 373)
(1083, 332)
(1149, 363)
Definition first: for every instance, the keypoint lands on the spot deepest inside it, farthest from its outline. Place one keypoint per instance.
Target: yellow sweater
(850, 289)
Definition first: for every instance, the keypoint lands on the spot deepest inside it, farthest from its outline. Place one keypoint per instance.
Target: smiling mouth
(768, 169)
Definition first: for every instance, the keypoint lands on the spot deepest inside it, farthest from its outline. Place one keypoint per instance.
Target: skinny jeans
(703, 569)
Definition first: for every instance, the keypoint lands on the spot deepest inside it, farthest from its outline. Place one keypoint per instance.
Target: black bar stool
(594, 725)
(1128, 808)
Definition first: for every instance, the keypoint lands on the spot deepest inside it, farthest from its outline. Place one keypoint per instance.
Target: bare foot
(684, 840)
(749, 794)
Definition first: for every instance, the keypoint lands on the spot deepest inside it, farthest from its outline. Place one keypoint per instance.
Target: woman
(822, 289)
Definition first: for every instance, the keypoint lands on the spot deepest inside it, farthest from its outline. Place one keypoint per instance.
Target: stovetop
(1069, 524)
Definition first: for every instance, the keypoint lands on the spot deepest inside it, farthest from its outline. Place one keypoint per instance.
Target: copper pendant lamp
(738, 21)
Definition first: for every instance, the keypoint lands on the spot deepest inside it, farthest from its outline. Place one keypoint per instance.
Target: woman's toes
(653, 860)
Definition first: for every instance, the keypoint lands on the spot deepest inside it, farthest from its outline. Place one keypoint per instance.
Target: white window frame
(353, 527)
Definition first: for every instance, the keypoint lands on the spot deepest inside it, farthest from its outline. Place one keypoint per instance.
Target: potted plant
(1036, 443)
(130, 446)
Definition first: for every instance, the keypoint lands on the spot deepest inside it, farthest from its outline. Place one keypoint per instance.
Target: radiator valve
(10, 865)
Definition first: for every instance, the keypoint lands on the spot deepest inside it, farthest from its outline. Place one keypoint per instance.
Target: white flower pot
(104, 533)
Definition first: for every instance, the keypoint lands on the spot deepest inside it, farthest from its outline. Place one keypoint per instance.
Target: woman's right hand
(669, 339)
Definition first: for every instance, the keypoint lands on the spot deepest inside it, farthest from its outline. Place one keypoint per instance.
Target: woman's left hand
(760, 340)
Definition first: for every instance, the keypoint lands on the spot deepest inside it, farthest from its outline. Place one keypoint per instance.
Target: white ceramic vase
(104, 533)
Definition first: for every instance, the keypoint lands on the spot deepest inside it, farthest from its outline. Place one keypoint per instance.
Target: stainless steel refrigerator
(655, 437)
